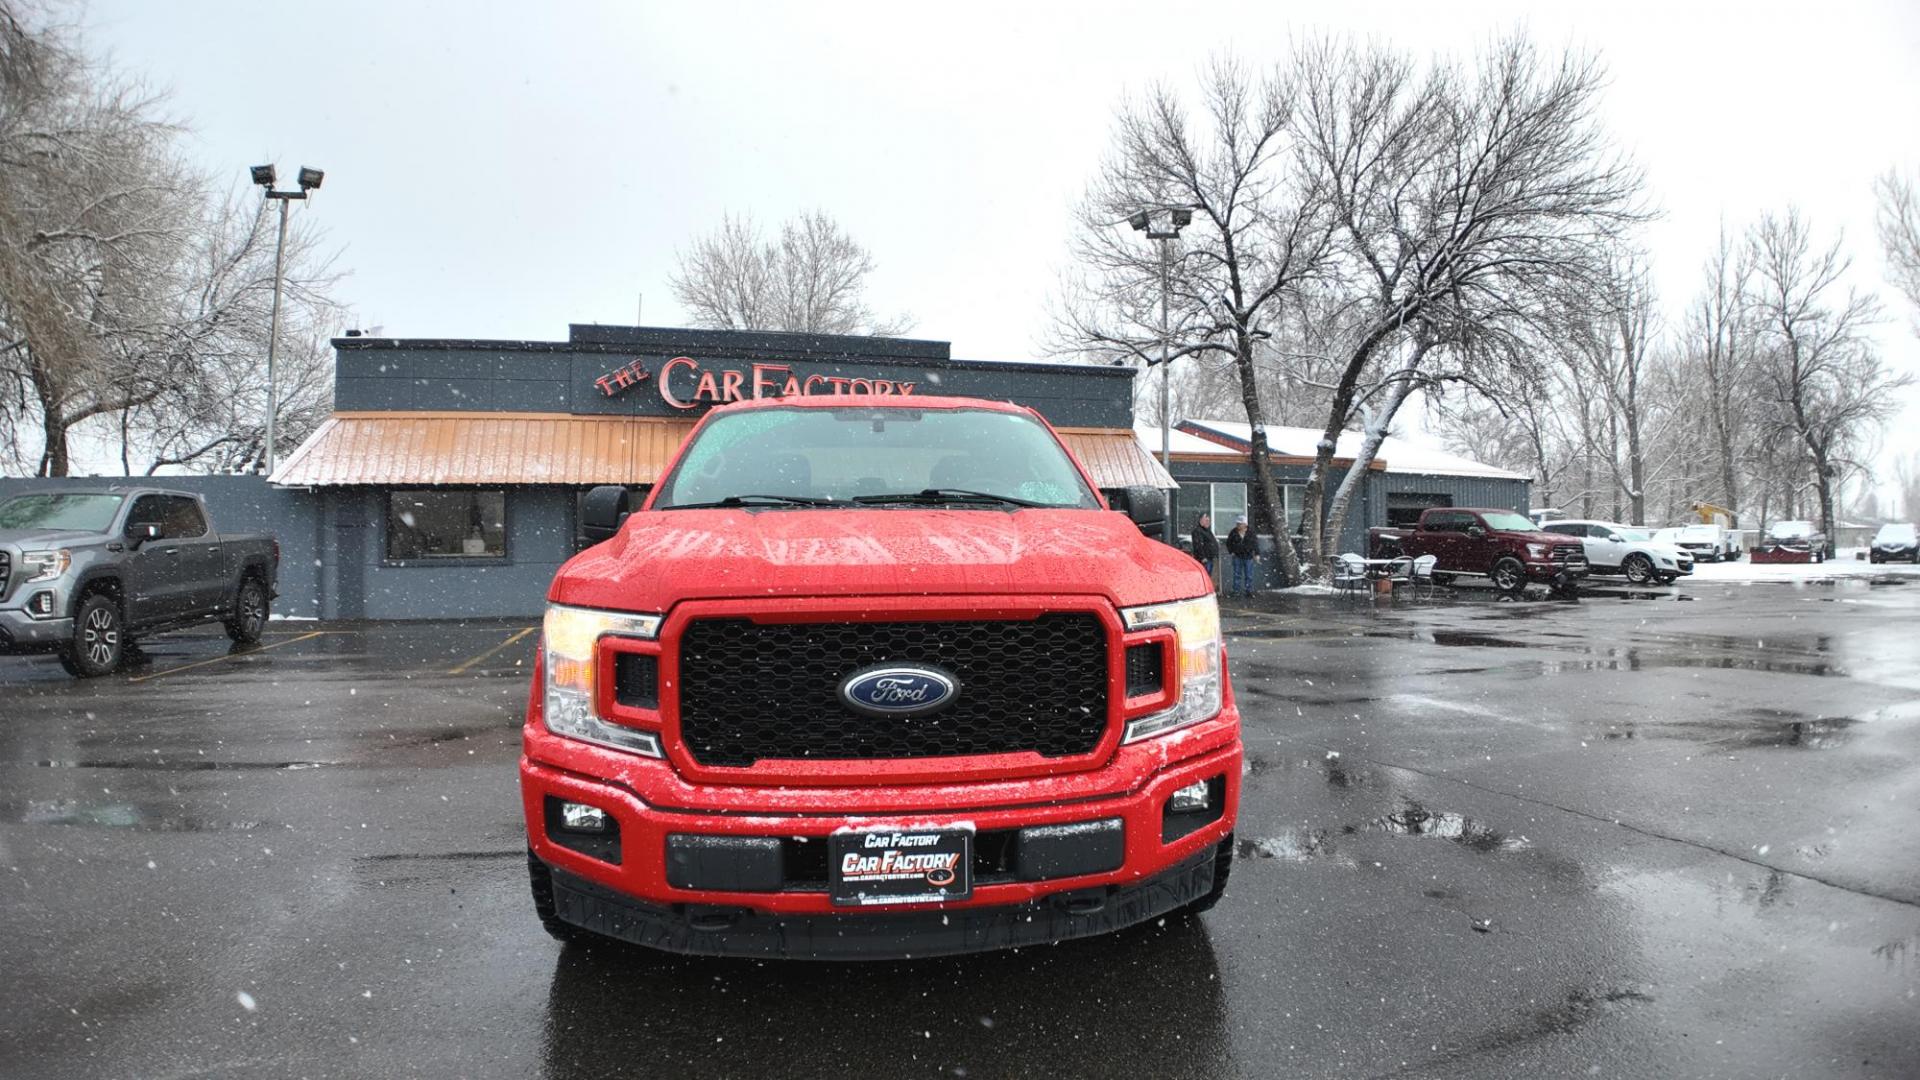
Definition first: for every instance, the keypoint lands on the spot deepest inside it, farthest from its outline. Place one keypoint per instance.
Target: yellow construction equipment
(1714, 515)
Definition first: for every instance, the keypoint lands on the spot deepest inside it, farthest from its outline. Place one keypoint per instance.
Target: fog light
(580, 817)
(1190, 798)
(41, 605)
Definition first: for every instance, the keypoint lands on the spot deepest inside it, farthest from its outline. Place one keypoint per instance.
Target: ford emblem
(898, 690)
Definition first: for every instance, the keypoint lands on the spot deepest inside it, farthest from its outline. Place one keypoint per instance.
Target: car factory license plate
(900, 866)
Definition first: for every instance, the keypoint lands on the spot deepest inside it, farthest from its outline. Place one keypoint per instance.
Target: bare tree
(812, 278)
(132, 300)
(1899, 225)
(1719, 338)
(1463, 200)
(1827, 386)
(1255, 236)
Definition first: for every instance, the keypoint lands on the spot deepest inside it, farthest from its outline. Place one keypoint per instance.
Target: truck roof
(110, 489)
(874, 401)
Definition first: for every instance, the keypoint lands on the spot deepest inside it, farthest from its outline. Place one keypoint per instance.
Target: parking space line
(461, 670)
(230, 656)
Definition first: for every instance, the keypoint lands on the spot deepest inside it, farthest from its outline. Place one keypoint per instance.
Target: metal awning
(388, 449)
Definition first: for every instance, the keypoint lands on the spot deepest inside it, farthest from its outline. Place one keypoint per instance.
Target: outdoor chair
(1400, 572)
(1350, 574)
(1423, 574)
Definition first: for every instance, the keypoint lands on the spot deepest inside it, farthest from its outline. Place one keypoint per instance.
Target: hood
(40, 538)
(1535, 536)
(661, 558)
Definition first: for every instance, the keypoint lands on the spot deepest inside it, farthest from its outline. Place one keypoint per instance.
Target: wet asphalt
(1624, 837)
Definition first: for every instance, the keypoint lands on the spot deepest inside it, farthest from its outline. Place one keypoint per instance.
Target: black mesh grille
(750, 691)
(1143, 670)
(636, 680)
(6, 572)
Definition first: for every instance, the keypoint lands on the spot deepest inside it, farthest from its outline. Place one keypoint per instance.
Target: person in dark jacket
(1206, 546)
(1245, 551)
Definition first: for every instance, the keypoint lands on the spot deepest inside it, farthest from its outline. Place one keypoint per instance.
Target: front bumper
(1121, 808)
(1557, 572)
(735, 931)
(21, 633)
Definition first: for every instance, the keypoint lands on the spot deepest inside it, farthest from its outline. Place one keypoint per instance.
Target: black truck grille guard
(752, 692)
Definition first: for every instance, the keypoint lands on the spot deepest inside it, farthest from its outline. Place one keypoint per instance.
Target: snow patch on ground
(1842, 566)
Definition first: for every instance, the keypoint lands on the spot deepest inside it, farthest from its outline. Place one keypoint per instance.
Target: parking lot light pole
(309, 182)
(1179, 217)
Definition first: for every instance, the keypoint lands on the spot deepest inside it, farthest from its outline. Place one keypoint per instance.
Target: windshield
(1903, 534)
(809, 457)
(81, 513)
(1699, 532)
(1638, 536)
(1509, 522)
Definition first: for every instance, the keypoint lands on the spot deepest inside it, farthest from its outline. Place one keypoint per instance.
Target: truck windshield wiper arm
(946, 495)
(756, 500)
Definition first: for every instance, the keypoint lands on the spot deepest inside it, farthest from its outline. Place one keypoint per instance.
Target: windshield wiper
(755, 500)
(947, 495)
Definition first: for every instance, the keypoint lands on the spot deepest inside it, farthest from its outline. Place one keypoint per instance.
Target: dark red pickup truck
(1500, 545)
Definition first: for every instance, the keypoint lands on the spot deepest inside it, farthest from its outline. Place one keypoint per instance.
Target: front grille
(752, 691)
(6, 573)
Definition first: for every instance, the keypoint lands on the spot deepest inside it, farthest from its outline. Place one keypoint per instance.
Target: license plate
(900, 866)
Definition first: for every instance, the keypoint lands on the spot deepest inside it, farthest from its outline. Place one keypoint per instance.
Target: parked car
(1613, 548)
(1503, 546)
(1708, 543)
(1895, 541)
(916, 690)
(1792, 542)
(84, 573)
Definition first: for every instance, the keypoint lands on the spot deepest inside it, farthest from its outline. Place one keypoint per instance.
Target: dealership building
(449, 479)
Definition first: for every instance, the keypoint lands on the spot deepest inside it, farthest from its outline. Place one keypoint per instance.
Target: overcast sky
(501, 170)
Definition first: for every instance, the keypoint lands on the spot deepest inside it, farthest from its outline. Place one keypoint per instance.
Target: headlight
(1536, 551)
(1196, 627)
(45, 565)
(570, 640)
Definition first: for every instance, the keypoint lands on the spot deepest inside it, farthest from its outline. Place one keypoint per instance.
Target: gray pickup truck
(85, 573)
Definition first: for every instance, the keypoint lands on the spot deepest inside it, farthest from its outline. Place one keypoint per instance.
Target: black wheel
(249, 618)
(1509, 576)
(1222, 869)
(541, 879)
(99, 639)
(1638, 568)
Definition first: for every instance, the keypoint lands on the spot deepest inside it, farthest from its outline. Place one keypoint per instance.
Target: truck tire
(250, 608)
(1638, 568)
(541, 880)
(99, 641)
(1509, 575)
(1222, 869)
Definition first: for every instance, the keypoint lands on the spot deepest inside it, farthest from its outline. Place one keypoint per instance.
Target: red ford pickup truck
(876, 677)
(1505, 547)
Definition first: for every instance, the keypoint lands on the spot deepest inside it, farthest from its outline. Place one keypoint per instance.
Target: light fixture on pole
(309, 180)
(1177, 217)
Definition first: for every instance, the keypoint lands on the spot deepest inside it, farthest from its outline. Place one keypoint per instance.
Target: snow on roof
(1399, 455)
(1181, 443)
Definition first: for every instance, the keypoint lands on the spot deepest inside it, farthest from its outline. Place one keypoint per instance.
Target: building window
(446, 525)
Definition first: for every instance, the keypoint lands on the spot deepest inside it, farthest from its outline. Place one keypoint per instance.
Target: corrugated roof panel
(482, 448)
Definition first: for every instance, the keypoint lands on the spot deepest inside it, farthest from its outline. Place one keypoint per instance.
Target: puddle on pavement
(143, 818)
(1750, 729)
(1288, 845)
(1413, 819)
(189, 765)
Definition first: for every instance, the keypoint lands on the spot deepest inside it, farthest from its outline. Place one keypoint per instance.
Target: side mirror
(602, 512)
(1144, 506)
(1476, 531)
(1616, 538)
(140, 534)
